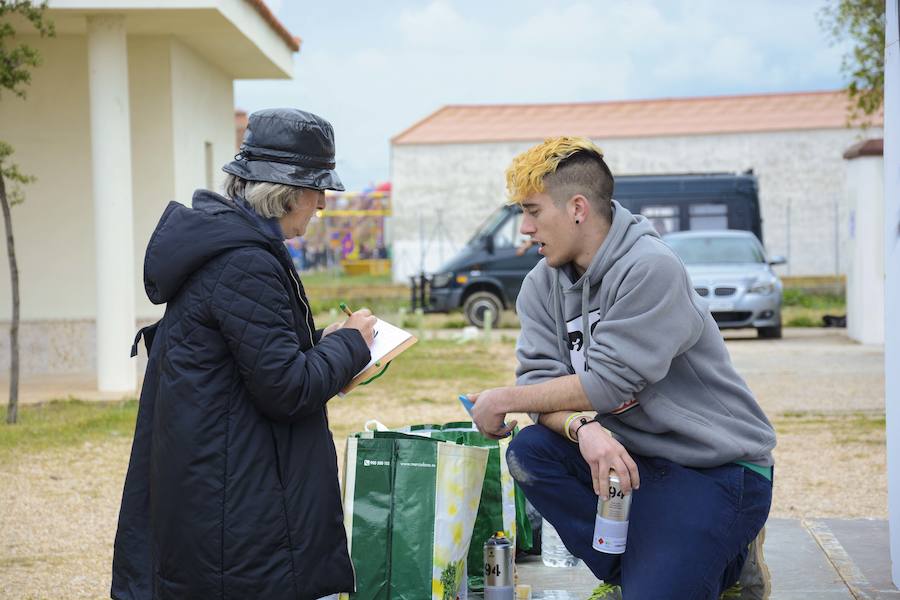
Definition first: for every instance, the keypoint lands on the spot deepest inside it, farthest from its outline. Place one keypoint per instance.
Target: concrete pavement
(810, 559)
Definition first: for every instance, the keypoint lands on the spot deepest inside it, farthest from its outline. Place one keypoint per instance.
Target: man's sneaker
(755, 582)
(606, 591)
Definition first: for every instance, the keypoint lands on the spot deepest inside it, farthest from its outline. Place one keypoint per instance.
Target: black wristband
(582, 421)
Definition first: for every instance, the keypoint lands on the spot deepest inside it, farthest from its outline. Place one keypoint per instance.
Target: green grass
(804, 309)
(326, 290)
(323, 304)
(66, 423)
(795, 297)
(325, 279)
(437, 368)
(447, 360)
(847, 427)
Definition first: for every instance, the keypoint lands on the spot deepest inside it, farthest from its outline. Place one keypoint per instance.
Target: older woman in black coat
(232, 488)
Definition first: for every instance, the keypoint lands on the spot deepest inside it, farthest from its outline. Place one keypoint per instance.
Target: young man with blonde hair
(674, 420)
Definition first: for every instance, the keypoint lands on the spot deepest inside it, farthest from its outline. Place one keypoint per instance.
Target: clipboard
(390, 342)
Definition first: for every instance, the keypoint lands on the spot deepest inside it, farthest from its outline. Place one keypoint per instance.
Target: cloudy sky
(375, 68)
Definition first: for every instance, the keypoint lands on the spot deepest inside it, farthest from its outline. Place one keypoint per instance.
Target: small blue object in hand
(468, 405)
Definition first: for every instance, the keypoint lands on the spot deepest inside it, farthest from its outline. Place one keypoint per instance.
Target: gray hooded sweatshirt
(646, 349)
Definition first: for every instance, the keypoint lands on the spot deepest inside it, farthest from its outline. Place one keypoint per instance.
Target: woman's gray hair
(269, 200)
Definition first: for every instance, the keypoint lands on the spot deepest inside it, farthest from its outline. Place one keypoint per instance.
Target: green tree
(17, 59)
(863, 23)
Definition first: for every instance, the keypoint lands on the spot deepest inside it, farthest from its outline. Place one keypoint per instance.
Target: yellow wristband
(569, 420)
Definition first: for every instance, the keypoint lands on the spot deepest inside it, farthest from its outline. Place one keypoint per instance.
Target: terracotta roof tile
(635, 118)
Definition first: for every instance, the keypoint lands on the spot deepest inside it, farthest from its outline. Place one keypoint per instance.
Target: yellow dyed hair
(525, 176)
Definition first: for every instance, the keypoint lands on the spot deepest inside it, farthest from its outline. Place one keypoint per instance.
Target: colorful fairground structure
(347, 235)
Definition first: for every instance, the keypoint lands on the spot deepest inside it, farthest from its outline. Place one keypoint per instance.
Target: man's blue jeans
(688, 530)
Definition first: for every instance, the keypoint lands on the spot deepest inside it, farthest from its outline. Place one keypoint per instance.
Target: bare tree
(16, 62)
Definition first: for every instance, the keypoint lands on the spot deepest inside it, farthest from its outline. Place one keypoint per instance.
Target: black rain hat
(289, 146)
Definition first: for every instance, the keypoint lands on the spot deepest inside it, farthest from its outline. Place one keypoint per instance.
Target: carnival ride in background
(348, 235)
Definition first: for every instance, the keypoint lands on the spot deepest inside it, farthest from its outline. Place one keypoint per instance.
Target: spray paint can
(611, 526)
(498, 568)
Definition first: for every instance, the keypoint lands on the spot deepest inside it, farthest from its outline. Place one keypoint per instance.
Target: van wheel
(769, 333)
(477, 305)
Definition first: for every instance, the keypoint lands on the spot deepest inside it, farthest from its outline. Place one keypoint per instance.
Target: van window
(507, 235)
(663, 218)
(518, 238)
(708, 216)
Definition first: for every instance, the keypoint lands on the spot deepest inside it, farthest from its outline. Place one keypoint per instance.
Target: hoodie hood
(187, 238)
(626, 229)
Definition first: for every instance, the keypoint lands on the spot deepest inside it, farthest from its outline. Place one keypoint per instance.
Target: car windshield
(716, 250)
(490, 224)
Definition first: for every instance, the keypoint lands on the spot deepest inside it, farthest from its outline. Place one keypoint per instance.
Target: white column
(865, 277)
(892, 273)
(111, 156)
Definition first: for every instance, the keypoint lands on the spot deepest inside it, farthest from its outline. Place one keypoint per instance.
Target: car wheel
(477, 305)
(769, 333)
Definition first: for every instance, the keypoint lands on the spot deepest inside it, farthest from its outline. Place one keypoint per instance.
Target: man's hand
(602, 453)
(488, 413)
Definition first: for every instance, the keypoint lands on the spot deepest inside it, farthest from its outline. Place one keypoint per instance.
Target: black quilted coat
(232, 487)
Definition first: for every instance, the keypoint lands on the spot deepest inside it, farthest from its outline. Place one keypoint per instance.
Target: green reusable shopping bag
(409, 509)
(502, 505)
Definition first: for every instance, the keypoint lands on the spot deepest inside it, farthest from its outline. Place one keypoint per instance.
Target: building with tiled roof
(449, 167)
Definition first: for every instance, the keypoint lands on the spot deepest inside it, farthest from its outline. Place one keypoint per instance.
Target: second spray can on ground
(499, 557)
(611, 527)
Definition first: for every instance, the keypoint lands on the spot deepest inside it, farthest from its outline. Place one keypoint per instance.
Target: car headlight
(441, 280)
(763, 288)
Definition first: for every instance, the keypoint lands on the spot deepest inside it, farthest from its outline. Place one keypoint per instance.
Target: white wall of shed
(892, 281)
(178, 103)
(865, 275)
(202, 112)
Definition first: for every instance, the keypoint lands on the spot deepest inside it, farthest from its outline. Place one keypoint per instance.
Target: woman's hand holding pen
(363, 321)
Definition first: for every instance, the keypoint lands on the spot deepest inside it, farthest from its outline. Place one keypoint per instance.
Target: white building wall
(801, 179)
(54, 227)
(178, 103)
(153, 169)
(865, 275)
(892, 274)
(202, 113)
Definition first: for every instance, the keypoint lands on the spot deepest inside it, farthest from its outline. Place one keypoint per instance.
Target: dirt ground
(824, 394)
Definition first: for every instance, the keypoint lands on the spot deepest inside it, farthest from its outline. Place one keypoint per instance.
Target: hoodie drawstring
(585, 323)
(562, 335)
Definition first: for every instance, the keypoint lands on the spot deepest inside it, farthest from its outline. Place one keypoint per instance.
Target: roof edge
(293, 42)
(641, 100)
(510, 140)
(421, 121)
(870, 147)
